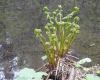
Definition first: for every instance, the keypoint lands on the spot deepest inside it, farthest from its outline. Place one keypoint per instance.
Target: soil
(66, 70)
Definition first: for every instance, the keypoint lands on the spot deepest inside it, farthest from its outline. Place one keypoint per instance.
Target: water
(20, 48)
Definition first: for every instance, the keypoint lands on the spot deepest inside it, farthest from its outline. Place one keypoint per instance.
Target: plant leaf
(44, 57)
(84, 60)
(98, 72)
(92, 77)
(26, 73)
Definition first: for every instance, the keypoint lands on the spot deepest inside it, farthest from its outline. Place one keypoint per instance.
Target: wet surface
(19, 47)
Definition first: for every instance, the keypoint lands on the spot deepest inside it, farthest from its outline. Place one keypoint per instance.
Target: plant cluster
(61, 32)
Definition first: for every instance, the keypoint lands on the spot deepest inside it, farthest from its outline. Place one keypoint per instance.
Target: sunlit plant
(61, 32)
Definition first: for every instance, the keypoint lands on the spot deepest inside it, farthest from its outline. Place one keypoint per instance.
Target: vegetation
(21, 23)
(82, 73)
(30, 74)
(61, 32)
(90, 74)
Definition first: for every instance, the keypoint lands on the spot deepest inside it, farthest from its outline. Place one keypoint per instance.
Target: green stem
(70, 40)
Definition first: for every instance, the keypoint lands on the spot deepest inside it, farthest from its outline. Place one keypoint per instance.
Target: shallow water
(19, 47)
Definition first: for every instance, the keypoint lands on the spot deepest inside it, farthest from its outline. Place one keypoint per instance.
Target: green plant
(30, 74)
(98, 72)
(88, 76)
(92, 77)
(82, 61)
(61, 32)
